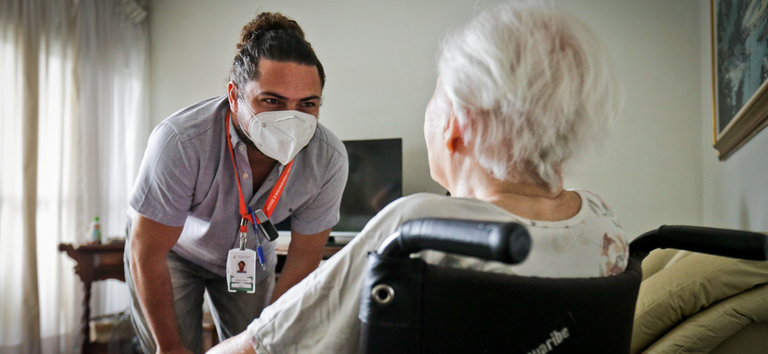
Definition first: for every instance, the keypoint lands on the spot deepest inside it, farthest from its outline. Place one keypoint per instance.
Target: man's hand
(150, 243)
(304, 255)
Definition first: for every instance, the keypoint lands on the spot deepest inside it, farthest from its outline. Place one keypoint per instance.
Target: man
(215, 172)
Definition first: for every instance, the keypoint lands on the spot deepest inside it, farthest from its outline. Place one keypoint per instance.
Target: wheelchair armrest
(504, 242)
(719, 242)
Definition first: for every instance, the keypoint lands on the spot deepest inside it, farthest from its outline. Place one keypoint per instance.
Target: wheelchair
(409, 306)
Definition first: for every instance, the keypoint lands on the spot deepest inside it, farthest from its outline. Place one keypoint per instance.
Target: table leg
(85, 322)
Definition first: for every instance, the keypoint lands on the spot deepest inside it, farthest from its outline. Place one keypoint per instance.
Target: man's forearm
(152, 281)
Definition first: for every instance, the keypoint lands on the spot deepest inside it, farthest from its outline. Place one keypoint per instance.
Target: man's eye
(309, 104)
(271, 100)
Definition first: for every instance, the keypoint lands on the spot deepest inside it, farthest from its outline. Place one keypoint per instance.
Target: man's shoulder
(327, 142)
(323, 151)
(199, 119)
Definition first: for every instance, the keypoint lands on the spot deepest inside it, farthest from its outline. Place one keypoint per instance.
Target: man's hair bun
(267, 22)
(275, 37)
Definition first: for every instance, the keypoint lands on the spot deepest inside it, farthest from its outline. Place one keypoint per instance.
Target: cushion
(704, 331)
(685, 283)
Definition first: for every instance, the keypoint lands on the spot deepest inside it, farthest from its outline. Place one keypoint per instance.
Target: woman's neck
(536, 201)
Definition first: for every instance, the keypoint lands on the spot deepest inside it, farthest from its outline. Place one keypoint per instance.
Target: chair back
(409, 306)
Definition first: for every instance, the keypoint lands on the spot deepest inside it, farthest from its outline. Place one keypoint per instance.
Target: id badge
(241, 271)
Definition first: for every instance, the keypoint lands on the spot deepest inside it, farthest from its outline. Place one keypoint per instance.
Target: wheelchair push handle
(507, 242)
(720, 242)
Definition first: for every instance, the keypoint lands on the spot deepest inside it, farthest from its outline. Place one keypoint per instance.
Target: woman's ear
(232, 96)
(452, 135)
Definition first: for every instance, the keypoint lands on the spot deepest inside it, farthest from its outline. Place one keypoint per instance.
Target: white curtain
(73, 122)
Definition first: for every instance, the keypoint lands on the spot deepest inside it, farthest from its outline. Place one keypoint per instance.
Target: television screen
(375, 180)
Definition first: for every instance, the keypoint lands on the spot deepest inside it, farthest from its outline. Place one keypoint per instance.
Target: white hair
(532, 86)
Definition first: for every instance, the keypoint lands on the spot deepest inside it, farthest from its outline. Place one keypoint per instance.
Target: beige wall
(379, 57)
(735, 191)
(650, 171)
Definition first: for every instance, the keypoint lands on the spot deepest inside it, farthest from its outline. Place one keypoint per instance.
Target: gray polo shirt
(187, 179)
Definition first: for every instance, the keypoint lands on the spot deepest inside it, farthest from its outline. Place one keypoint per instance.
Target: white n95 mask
(279, 134)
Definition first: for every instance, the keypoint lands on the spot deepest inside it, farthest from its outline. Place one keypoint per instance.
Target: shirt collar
(235, 137)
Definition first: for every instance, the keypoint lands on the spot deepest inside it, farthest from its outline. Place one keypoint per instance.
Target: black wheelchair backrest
(409, 306)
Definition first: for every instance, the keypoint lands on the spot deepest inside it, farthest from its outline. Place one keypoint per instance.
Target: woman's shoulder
(422, 205)
(416, 200)
(594, 213)
(601, 225)
(430, 205)
(594, 204)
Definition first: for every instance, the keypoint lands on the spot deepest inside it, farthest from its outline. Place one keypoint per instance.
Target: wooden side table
(94, 262)
(102, 262)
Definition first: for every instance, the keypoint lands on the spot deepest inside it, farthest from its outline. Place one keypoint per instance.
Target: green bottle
(96, 231)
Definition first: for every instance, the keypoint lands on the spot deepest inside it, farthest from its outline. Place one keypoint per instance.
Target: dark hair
(275, 37)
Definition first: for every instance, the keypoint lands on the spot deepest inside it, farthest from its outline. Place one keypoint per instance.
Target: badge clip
(266, 225)
(243, 234)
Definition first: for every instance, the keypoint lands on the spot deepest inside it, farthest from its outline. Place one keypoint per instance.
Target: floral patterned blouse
(590, 244)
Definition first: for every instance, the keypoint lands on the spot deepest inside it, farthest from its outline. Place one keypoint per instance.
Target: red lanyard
(277, 190)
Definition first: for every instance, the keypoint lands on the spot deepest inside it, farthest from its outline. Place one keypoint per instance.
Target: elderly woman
(524, 90)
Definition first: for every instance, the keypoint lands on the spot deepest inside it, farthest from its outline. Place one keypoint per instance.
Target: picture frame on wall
(739, 72)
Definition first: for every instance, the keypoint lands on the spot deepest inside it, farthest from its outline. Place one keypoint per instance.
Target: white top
(319, 314)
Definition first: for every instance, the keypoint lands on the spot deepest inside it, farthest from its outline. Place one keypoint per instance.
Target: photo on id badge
(241, 271)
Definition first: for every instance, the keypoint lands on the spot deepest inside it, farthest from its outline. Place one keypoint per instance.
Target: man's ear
(232, 94)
